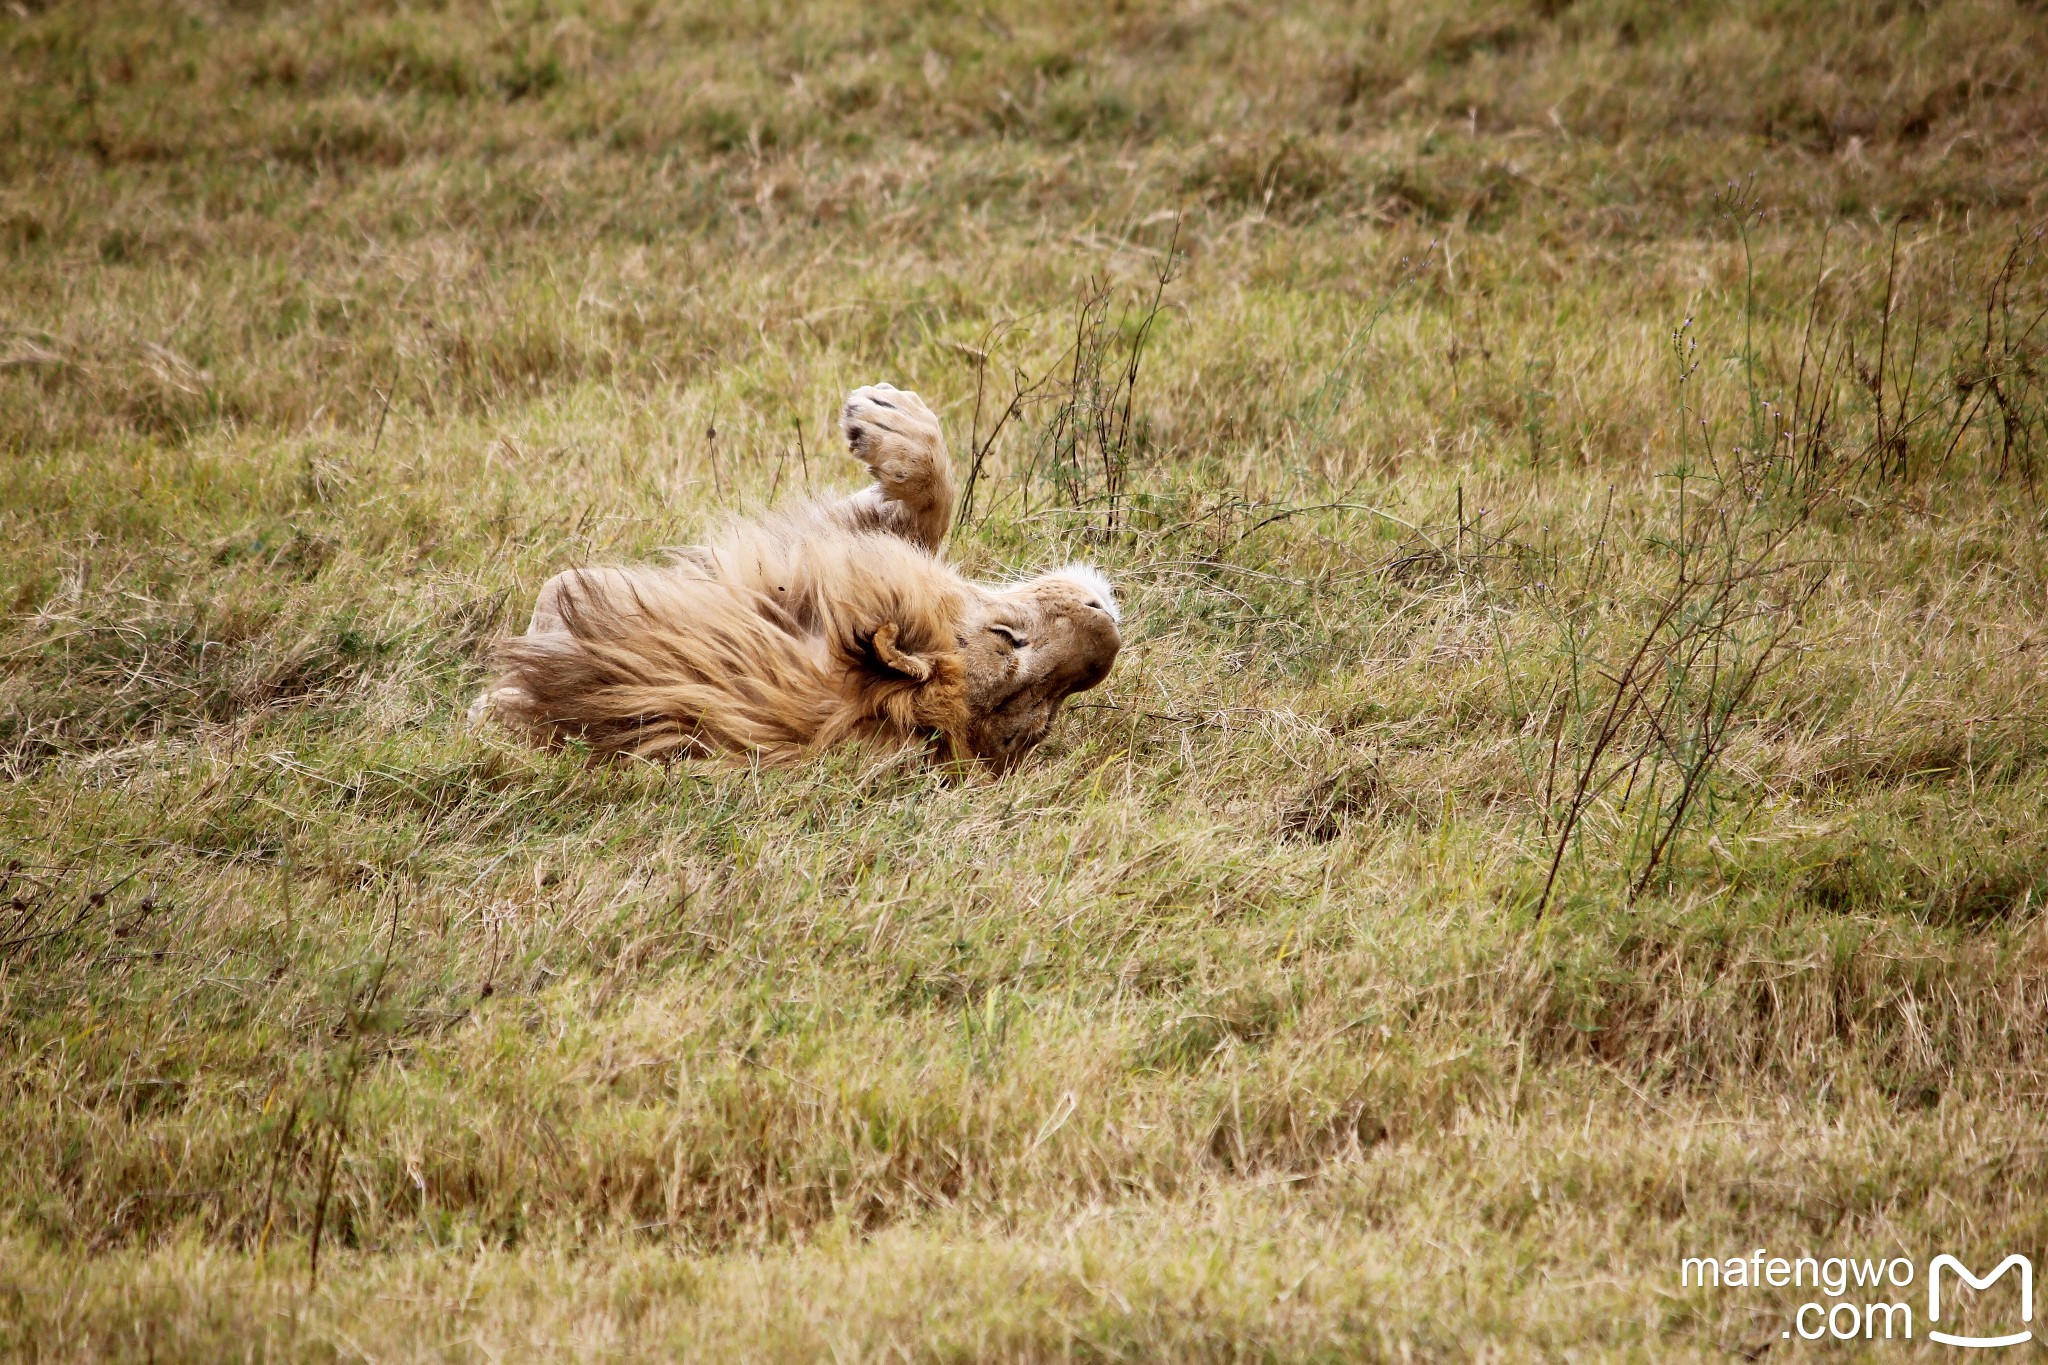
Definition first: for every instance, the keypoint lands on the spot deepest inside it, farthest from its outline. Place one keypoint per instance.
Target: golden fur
(822, 623)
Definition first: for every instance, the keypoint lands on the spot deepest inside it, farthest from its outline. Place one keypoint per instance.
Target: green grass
(1237, 1024)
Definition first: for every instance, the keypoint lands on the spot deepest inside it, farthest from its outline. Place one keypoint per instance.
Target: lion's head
(1029, 648)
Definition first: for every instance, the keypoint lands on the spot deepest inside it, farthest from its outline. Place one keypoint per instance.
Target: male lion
(826, 621)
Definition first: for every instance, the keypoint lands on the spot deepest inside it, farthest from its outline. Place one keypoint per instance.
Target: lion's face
(1027, 650)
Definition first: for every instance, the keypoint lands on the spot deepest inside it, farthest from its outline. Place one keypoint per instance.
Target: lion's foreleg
(898, 438)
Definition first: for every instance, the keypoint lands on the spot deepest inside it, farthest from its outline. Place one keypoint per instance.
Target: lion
(824, 622)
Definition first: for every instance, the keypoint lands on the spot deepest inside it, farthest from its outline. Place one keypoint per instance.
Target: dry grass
(1510, 344)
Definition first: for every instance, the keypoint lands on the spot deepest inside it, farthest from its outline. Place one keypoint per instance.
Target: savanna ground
(1600, 439)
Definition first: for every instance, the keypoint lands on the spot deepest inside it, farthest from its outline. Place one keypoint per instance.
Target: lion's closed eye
(1015, 639)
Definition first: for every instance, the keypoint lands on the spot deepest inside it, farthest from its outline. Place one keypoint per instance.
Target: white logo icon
(2026, 1268)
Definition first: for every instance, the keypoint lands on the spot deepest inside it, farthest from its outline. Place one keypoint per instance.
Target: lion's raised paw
(886, 426)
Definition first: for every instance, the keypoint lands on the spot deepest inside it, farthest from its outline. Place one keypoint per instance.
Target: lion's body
(815, 625)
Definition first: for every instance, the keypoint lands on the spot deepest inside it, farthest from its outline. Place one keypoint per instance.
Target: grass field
(1572, 797)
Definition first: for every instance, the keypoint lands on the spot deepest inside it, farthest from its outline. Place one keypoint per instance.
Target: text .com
(1867, 1299)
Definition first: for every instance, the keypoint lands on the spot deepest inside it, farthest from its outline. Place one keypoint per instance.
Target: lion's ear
(909, 665)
